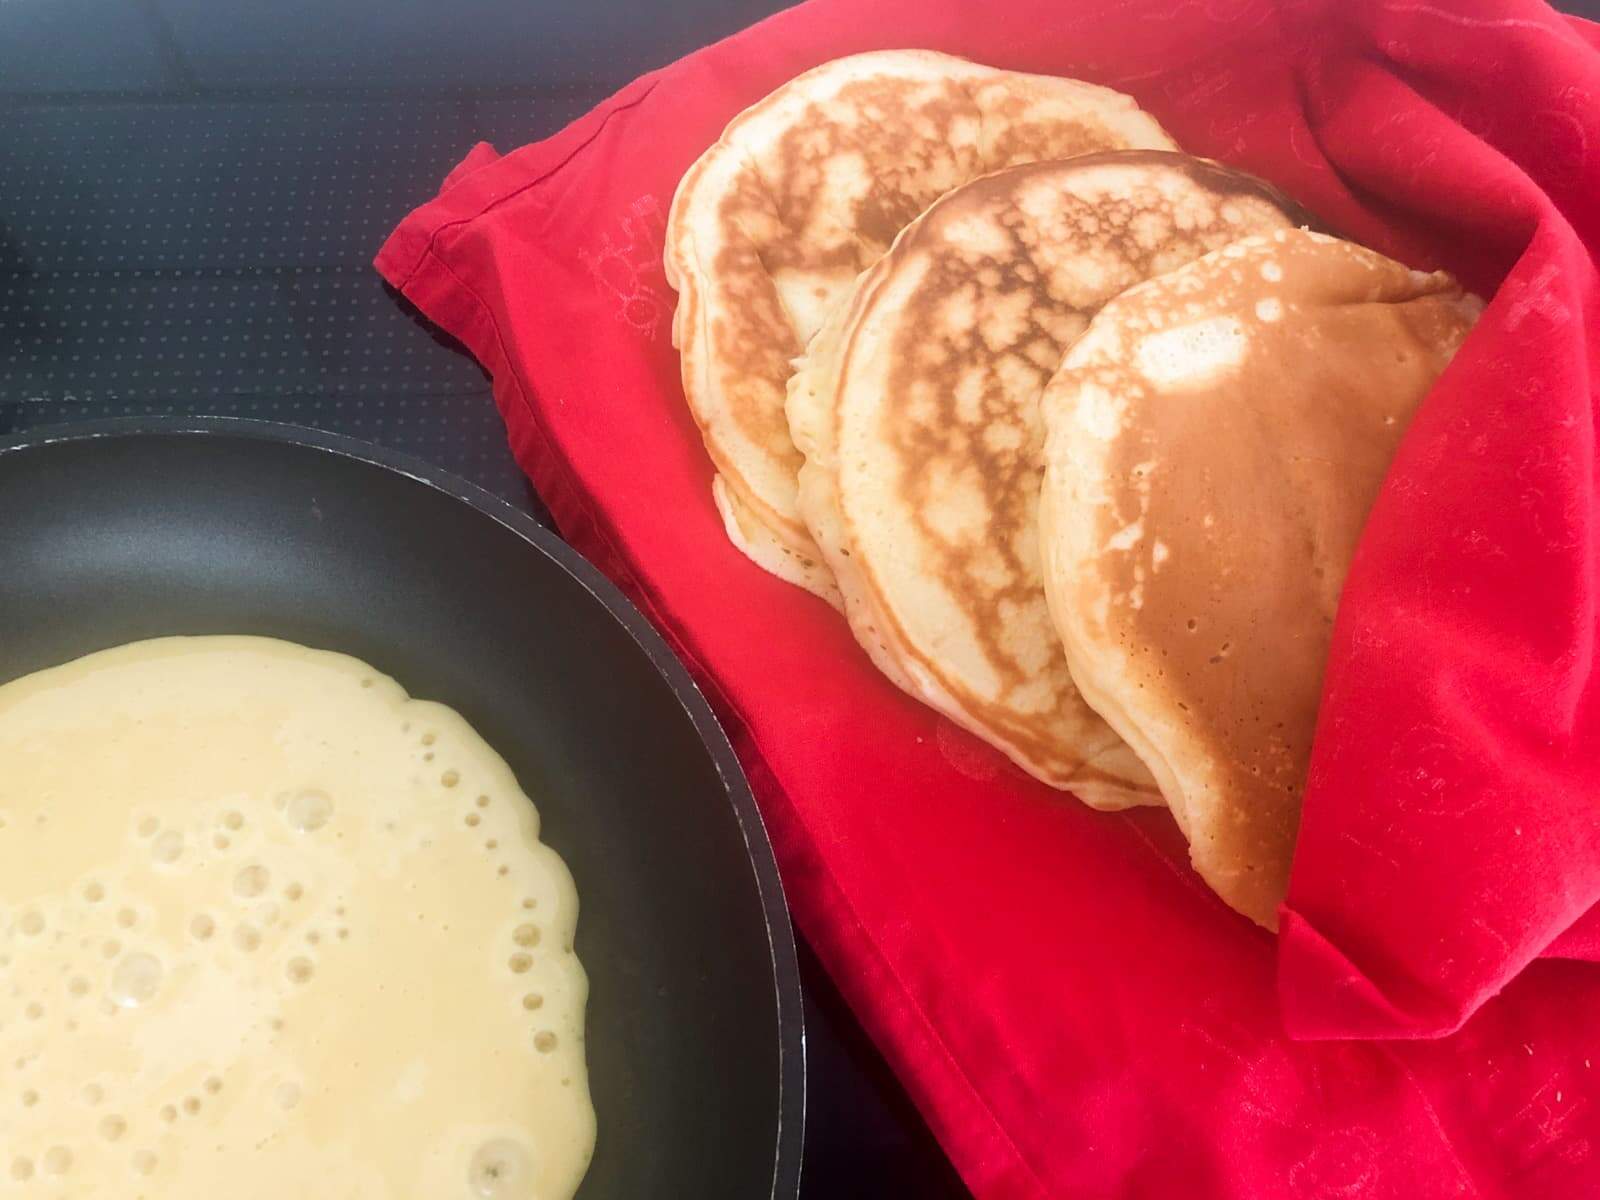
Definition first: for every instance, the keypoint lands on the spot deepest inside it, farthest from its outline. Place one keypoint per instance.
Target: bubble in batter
(308, 810)
(136, 980)
(251, 880)
(500, 1170)
(168, 846)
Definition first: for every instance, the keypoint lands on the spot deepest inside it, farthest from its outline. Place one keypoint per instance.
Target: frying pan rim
(790, 1134)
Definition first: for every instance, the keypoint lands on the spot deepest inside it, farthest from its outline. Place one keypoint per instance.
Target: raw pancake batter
(267, 929)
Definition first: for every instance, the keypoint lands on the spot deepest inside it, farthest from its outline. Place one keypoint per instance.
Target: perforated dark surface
(188, 252)
(191, 192)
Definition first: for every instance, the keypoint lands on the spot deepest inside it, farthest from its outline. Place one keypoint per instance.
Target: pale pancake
(917, 411)
(271, 929)
(804, 190)
(1215, 441)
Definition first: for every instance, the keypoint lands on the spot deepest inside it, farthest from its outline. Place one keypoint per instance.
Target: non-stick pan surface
(127, 530)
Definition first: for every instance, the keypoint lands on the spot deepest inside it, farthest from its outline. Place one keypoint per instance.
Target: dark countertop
(191, 193)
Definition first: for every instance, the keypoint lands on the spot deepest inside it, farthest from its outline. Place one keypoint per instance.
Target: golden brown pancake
(1216, 439)
(802, 192)
(917, 410)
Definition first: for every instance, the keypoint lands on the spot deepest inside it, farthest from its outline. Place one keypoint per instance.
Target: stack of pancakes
(1077, 430)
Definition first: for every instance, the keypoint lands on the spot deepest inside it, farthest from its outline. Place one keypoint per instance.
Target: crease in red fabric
(1450, 833)
(1074, 1013)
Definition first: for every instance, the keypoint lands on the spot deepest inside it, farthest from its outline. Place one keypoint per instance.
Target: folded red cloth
(1073, 1012)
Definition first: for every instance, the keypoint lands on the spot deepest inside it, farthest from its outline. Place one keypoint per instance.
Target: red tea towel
(1072, 1011)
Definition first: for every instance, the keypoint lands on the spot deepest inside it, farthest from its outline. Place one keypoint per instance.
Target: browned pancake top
(952, 339)
(808, 188)
(1231, 424)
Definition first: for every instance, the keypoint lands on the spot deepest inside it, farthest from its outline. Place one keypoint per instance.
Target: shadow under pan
(120, 531)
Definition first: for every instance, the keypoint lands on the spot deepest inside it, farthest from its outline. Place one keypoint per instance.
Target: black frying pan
(133, 529)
